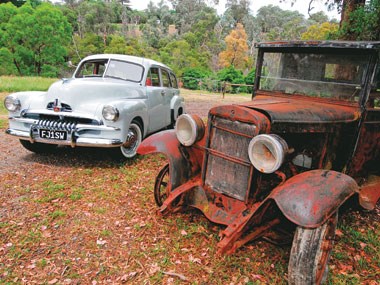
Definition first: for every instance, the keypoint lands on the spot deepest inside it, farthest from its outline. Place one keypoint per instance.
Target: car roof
(146, 62)
(374, 45)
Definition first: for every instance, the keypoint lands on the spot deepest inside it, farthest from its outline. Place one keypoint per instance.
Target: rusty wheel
(310, 253)
(161, 186)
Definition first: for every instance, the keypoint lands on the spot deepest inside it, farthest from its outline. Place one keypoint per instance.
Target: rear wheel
(133, 140)
(40, 148)
(310, 253)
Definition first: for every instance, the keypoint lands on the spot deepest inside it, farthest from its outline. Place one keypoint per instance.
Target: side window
(153, 77)
(173, 80)
(165, 78)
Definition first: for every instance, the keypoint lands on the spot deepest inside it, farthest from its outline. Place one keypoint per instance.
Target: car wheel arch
(306, 204)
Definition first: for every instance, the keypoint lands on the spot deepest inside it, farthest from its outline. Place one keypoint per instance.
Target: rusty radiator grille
(228, 169)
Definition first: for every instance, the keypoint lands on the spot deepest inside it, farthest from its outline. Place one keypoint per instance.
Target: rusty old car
(286, 161)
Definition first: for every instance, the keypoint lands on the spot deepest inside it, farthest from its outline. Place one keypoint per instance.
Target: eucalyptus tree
(188, 13)
(98, 17)
(360, 19)
(276, 24)
(35, 37)
(158, 19)
(239, 9)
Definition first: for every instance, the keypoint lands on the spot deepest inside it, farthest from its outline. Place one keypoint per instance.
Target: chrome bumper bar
(74, 140)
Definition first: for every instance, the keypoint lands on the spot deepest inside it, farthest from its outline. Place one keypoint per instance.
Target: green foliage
(35, 38)
(97, 16)
(17, 3)
(232, 75)
(322, 31)
(278, 24)
(364, 23)
(179, 55)
(192, 77)
(7, 67)
(249, 79)
(82, 47)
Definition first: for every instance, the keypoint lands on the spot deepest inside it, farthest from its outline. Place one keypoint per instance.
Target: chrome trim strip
(98, 142)
(64, 114)
(20, 134)
(23, 120)
(79, 127)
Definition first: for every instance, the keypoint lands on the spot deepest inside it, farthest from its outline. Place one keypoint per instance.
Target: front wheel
(161, 186)
(310, 253)
(133, 140)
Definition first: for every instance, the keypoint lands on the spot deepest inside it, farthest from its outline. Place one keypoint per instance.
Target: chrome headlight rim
(12, 104)
(275, 149)
(110, 113)
(189, 129)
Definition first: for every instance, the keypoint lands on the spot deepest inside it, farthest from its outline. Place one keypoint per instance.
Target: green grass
(16, 84)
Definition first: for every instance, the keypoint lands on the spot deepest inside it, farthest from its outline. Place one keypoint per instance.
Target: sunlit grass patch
(19, 83)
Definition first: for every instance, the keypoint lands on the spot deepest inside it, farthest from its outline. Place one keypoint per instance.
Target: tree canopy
(38, 38)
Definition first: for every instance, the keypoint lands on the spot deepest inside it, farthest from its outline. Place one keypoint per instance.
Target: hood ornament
(57, 105)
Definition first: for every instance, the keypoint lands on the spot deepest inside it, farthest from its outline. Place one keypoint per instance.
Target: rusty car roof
(372, 45)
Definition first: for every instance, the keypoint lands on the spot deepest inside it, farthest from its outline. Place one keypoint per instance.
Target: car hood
(303, 110)
(87, 94)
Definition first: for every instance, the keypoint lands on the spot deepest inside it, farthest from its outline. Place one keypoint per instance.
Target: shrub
(192, 77)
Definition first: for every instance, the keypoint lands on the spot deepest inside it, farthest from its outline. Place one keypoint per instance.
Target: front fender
(184, 162)
(310, 198)
(129, 110)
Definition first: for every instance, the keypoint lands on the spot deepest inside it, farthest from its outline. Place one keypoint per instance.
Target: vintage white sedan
(110, 101)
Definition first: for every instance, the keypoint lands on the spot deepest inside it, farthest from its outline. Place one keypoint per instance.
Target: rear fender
(310, 198)
(184, 162)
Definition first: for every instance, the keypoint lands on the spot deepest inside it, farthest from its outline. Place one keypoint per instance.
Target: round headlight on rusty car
(189, 129)
(12, 104)
(110, 113)
(267, 152)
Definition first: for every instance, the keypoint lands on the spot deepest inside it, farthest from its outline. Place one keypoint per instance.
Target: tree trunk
(347, 7)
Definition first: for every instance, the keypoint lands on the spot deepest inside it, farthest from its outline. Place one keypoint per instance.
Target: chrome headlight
(110, 113)
(189, 129)
(12, 104)
(267, 152)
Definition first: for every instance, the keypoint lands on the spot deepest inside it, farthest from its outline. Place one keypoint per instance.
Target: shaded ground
(81, 216)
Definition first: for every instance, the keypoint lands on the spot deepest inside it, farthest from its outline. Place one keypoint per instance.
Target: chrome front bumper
(73, 137)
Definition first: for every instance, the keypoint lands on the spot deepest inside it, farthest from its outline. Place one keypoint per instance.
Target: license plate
(53, 135)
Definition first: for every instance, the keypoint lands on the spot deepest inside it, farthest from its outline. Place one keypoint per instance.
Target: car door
(169, 93)
(156, 100)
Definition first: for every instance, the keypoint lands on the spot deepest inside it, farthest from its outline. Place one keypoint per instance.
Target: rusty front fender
(310, 198)
(184, 162)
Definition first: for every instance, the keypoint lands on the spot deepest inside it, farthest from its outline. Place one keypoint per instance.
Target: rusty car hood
(299, 109)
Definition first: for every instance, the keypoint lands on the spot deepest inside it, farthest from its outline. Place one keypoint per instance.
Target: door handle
(163, 93)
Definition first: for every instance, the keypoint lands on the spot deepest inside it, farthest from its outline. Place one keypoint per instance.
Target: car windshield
(338, 76)
(112, 68)
(124, 70)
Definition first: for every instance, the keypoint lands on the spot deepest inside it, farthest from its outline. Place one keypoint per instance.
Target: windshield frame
(365, 81)
(106, 62)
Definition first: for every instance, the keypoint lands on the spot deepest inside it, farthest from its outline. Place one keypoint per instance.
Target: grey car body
(110, 101)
